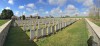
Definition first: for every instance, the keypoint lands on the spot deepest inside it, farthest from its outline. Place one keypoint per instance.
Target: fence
(94, 31)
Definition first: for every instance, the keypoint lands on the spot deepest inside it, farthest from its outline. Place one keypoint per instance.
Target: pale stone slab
(44, 32)
(32, 34)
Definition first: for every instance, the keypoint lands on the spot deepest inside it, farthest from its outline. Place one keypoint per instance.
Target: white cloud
(41, 10)
(80, 1)
(41, 2)
(24, 13)
(85, 13)
(56, 12)
(17, 13)
(71, 7)
(46, 12)
(28, 9)
(87, 3)
(57, 2)
(34, 14)
(7, 8)
(21, 7)
(10, 1)
(1, 9)
(30, 5)
(71, 10)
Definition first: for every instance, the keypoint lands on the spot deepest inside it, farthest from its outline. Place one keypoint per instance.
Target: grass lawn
(17, 37)
(2, 22)
(74, 35)
(96, 22)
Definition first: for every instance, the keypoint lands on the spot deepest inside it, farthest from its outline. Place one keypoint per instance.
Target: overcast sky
(48, 7)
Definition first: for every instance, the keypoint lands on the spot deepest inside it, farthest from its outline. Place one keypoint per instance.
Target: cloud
(46, 12)
(87, 3)
(71, 7)
(41, 10)
(7, 8)
(97, 3)
(85, 13)
(34, 14)
(41, 2)
(70, 10)
(56, 12)
(10, 1)
(28, 9)
(24, 12)
(31, 5)
(57, 2)
(80, 1)
(17, 13)
(21, 7)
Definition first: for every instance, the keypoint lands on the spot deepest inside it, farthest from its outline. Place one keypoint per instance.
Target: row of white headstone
(27, 24)
(34, 34)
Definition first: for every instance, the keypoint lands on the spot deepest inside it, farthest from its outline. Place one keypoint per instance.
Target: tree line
(6, 14)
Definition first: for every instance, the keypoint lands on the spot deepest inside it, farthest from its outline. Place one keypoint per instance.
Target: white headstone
(45, 24)
(38, 24)
(15, 24)
(44, 31)
(39, 33)
(34, 26)
(24, 27)
(32, 34)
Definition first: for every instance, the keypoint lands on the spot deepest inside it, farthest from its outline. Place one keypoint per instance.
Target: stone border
(94, 31)
(3, 31)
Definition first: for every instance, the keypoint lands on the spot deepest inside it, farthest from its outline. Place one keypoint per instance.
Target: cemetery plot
(42, 27)
(34, 23)
(74, 35)
(49, 29)
(70, 36)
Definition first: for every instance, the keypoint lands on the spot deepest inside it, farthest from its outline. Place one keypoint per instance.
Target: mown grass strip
(97, 22)
(74, 35)
(3, 22)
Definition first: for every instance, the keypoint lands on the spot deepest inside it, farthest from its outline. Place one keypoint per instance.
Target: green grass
(2, 22)
(17, 37)
(78, 17)
(97, 22)
(74, 35)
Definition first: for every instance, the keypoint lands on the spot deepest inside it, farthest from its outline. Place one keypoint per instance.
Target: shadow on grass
(17, 37)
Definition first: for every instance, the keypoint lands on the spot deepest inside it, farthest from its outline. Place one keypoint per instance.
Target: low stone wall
(3, 32)
(94, 31)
